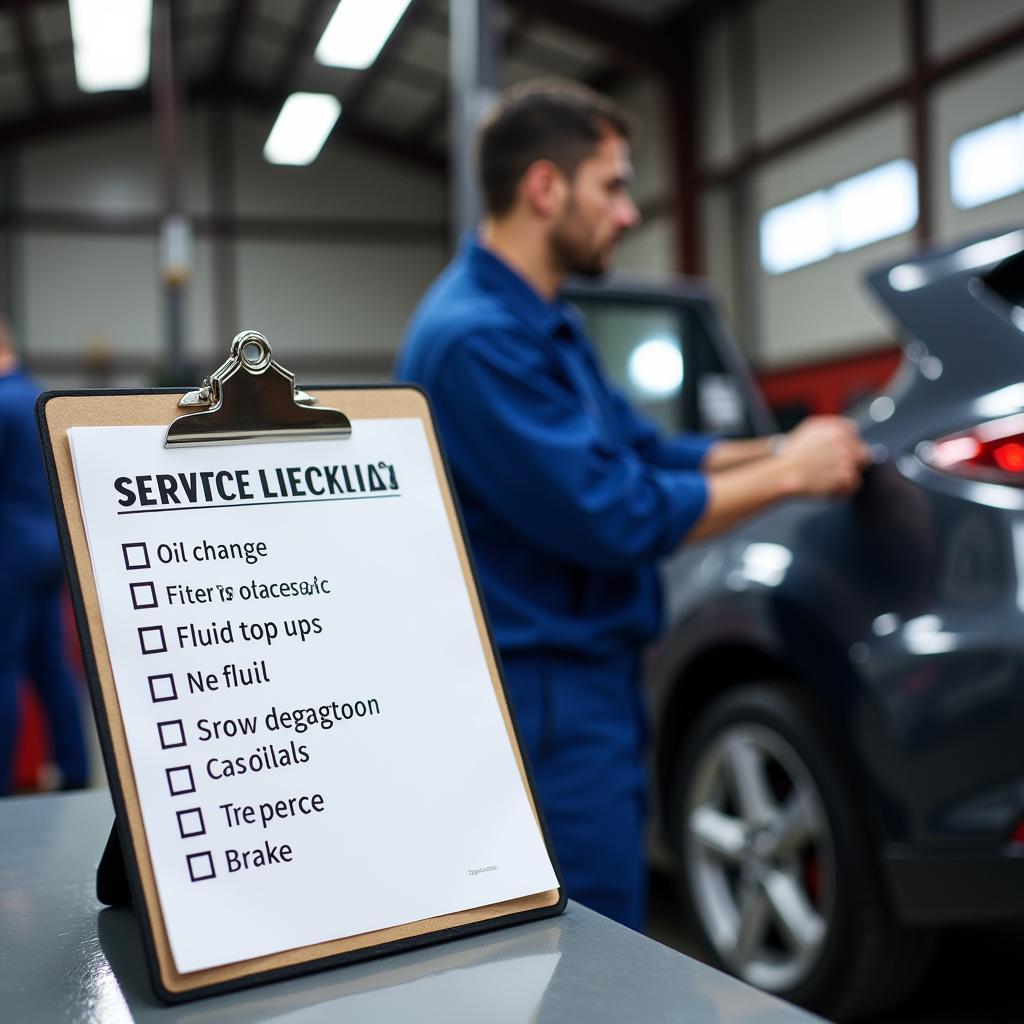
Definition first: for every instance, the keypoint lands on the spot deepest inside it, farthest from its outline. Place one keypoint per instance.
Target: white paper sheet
(403, 801)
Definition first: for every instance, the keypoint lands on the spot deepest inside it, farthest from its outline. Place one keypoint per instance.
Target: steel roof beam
(304, 35)
(641, 44)
(384, 142)
(225, 63)
(42, 97)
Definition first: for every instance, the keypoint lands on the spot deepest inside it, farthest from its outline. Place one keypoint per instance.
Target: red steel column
(682, 97)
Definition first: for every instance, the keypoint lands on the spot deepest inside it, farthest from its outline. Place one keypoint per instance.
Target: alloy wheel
(760, 856)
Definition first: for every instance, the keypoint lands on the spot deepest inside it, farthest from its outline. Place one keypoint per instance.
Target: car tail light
(993, 452)
(1018, 833)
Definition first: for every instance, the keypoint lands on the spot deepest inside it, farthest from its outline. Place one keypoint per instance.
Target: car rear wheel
(774, 863)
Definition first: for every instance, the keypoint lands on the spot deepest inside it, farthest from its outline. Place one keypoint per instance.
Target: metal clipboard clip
(261, 403)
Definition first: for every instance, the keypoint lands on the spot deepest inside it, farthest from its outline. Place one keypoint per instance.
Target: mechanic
(570, 497)
(32, 638)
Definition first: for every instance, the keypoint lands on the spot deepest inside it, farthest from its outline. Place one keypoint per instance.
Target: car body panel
(900, 610)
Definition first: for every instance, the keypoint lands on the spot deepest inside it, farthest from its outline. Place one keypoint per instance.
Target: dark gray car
(838, 702)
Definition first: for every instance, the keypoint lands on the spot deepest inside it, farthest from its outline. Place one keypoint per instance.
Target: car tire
(774, 860)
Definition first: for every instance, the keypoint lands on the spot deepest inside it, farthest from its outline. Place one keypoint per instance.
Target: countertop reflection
(64, 957)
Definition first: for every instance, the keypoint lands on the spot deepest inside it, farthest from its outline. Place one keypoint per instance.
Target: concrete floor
(976, 975)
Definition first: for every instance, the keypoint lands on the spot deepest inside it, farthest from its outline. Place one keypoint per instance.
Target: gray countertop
(64, 957)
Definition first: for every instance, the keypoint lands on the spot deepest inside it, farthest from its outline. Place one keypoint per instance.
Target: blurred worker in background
(32, 637)
(570, 496)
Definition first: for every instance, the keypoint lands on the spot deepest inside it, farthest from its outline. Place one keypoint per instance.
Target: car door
(666, 346)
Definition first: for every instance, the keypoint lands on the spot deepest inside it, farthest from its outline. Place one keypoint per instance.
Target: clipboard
(250, 399)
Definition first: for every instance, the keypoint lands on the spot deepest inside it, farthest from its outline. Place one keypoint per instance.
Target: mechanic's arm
(697, 451)
(723, 453)
(522, 444)
(683, 451)
(822, 457)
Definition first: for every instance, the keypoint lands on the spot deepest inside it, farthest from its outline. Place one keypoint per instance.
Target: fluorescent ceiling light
(988, 163)
(656, 367)
(301, 129)
(111, 43)
(357, 32)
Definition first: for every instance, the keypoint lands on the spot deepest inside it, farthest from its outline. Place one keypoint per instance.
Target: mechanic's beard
(574, 256)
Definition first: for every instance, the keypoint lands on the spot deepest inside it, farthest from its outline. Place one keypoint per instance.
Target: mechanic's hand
(825, 455)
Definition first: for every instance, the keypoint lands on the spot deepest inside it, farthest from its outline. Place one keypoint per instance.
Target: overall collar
(551, 318)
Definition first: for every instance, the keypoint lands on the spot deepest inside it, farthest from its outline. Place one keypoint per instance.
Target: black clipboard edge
(129, 863)
(111, 881)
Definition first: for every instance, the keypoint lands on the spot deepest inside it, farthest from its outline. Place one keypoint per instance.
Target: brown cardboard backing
(65, 411)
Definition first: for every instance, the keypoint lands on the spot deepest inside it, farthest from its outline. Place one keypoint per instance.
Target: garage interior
(786, 148)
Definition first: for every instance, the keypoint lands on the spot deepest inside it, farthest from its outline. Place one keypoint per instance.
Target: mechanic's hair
(552, 120)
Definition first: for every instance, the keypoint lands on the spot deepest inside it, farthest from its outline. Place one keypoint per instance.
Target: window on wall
(988, 163)
(877, 204)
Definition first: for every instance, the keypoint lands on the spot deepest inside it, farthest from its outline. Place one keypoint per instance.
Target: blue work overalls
(31, 627)
(569, 498)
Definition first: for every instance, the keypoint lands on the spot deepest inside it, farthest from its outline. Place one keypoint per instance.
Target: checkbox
(161, 687)
(200, 866)
(190, 823)
(136, 556)
(180, 780)
(143, 595)
(152, 639)
(172, 734)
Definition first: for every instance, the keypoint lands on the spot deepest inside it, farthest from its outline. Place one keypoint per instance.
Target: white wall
(93, 295)
(806, 58)
(966, 102)
(96, 296)
(333, 300)
(822, 309)
(716, 121)
(958, 23)
(809, 58)
(650, 249)
(85, 293)
(720, 245)
(110, 169)
(89, 293)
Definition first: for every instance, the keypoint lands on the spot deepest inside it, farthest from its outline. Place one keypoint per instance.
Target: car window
(661, 355)
(642, 347)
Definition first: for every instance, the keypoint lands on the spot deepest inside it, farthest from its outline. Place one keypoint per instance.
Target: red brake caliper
(812, 876)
